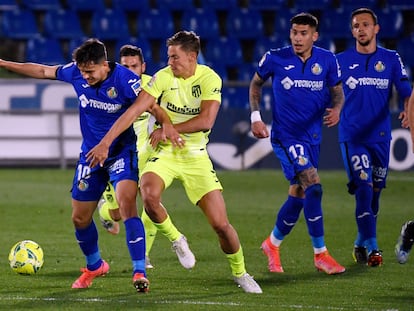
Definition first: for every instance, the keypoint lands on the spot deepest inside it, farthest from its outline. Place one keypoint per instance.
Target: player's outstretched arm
(144, 102)
(33, 70)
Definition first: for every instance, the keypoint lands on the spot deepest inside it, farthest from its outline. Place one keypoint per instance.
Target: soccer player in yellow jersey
(190, 93)
(132, 58)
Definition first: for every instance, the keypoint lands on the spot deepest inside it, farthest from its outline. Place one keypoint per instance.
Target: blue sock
(88, 242)
(364, 217)
(135, 238)
(375, 203)
(371, 244)
(287, 216)
(312, 208)
(318, 242)
(359, 241)
(277, 234)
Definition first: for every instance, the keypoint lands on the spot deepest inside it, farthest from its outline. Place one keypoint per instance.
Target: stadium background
(234, 35)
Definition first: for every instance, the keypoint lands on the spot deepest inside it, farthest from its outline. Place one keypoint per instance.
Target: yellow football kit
(181, 99)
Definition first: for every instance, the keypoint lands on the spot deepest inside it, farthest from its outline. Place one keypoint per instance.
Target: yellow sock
(109, 196)
(150, 231)
(168, 229)
(104, 211)
(236, 261)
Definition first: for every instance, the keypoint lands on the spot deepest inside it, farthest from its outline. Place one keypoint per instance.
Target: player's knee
(80, 222)
(314, 190)
(223, 229)
(363, 189)
(151, 201)
(359, 185)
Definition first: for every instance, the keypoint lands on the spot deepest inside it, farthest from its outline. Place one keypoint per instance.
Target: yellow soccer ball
(26, 257)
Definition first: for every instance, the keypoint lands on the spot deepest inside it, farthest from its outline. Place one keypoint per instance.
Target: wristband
(255, 116)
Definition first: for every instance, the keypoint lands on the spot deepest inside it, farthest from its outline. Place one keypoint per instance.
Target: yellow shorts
(142, 159)
(196, 173)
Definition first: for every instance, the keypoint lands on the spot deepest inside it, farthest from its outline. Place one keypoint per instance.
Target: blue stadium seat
(62, 24)
(235, 97)
(41, 5)
(282, 22)
(162, 57)
(246, 71)
(131, 6)
(109, 24)
(405, 49)
(391, 21)
(142, 43)
(200, 58)
(8, 5)
(351, 5)
(224, 50)
(264, 44)
(72, 45)
(150, 67)
(401, 4)
(308, 5)
(244, 23)
(220, 69)
(155, 24)
(203, 22)
(267, 4)
(44, 50)
(19, 24)
(326, 43)
(335, 24)
(219, 5)
(86, 5)
(174, 5)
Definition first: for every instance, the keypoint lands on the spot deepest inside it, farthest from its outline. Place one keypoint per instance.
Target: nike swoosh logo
(289, 67)
(132, 80)
(353, 66)
(290, 224)
(140, 238)
(363, 215)
(314, 219)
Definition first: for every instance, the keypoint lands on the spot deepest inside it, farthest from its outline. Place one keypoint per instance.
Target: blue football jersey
(101, 105)
(367, 81)
(300, 90)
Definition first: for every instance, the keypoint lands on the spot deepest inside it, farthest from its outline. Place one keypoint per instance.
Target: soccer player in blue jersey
(190, 93)
(105, 90)
(303, 76)
(132, 58)
(369, 72)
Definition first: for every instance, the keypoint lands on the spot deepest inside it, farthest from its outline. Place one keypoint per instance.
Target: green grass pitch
(35, 204)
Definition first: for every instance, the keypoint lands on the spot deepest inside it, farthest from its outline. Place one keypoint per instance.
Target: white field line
(190, 302)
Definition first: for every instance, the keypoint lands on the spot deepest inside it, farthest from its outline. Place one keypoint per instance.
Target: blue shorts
(366, 163)
(295, 157)
(89, 183)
